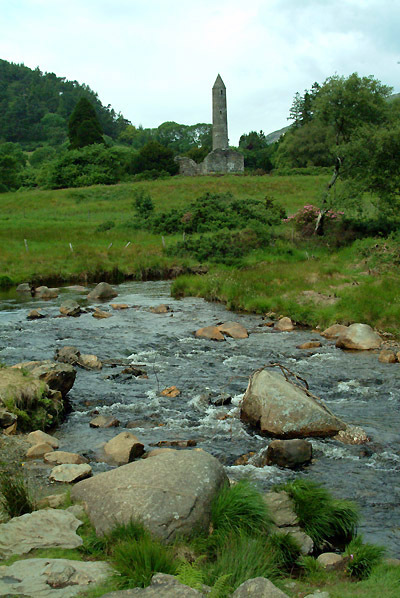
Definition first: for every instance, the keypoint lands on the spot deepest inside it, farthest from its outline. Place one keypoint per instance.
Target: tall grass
(15, 496)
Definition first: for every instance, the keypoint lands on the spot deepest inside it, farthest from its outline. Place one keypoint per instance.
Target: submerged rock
(234, 330)
(44, 292)
(160, 309)
(289, 453)
(70, 308)
(283, 410)
(171, 493)
(210, 332)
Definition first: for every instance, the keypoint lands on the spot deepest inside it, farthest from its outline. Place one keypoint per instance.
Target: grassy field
(87, 235)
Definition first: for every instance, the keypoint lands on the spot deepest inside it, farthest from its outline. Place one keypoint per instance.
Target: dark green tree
(154, 156)
(83, 126)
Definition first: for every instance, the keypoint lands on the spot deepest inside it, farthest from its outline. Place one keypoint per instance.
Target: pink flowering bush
(305, 219)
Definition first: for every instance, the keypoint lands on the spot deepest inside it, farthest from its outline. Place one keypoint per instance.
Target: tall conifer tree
(83, 126)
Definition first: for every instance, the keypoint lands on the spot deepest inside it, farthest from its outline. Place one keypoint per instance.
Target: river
(356, 387)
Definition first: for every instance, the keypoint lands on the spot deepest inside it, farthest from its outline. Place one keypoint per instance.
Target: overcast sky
(156, 60)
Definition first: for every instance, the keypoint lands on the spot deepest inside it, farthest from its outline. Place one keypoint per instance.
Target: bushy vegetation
(15, 496)
(362, 557)
(324, 518)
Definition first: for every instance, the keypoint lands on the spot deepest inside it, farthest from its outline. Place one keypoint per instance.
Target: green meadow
(90, 234)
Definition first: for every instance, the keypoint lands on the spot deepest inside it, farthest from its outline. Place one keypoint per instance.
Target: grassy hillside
(306, 278)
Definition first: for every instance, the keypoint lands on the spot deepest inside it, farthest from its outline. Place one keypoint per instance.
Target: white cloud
(156, 60)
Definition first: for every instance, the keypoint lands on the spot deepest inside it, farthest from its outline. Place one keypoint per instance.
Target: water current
(355, 386)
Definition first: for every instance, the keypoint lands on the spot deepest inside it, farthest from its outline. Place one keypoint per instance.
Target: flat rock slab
(39, 437)
(63, 457)
(49, 528)
(170, 493)
(162, 586)
(69, 473)
(259, 587)
(51, 578)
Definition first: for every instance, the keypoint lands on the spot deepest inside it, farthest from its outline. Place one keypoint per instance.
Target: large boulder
(281, 409)
(170, 493)
(359, 337)
(58, 376)
(49, 528)
(210, 332)
(70, 308)
(51, 578)
(102, 291)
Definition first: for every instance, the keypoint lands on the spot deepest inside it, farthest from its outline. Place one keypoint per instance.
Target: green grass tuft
(15, 497)
(363, 557)
(240, 508)
(323, 517)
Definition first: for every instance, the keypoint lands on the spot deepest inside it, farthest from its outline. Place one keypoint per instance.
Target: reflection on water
(355, 386)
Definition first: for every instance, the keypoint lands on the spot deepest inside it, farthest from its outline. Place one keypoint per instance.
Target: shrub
(15, 498)
(138, 560)
(363, 557)
(105, 226)
(305, 219)
(324, 518)
(240, 508)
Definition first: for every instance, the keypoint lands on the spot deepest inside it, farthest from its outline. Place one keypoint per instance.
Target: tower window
(222, 92)
(220, 111)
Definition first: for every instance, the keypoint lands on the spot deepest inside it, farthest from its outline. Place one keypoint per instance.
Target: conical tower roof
(219, 83)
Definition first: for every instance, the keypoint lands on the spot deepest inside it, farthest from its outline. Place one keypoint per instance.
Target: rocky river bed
(355, 386)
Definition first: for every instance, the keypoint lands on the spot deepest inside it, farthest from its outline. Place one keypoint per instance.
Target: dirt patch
(317, 298)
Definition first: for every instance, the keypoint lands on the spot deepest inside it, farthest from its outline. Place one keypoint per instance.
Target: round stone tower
(220, 121)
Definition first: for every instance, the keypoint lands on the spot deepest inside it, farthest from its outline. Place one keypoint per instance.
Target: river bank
(357, 387)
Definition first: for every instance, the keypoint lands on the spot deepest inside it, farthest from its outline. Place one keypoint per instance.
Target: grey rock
(102, 291)
(280, 508)
(259, 587)
(44, 292)
(91, 362)
(170, 493)
(35, 314)
(48, 528)
(51, 578)
(289, 453)
(39, 437)
(102, 421)
(162, 586)
(281, 409)
(318, 594)
(305, 542)
(329, 560)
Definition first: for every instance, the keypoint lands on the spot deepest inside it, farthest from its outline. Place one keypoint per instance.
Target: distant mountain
(35, 106)
(272, 137)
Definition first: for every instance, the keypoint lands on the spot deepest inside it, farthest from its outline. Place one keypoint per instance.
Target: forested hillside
(35, 106)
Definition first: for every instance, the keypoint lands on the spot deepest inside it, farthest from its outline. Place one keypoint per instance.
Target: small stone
(44, 292)
(24, 287)
(334, 331)
(69, 473)
(233, 330)
(160, 309)
(35, 314)
(38, 436)
(210, 332)
(67, 354)
(352, 435)
(329, 560)
(118, 306)
(284, 325)
(90, 361)
(54, 501)
(70, 308)
(38, 451)
(309, 345)
(171, 391)
(289, 453)
(101, 421)
(102, 291)
(124, 448)
(100, 314)
(387, 356)
(11, 430)
(6, 418)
